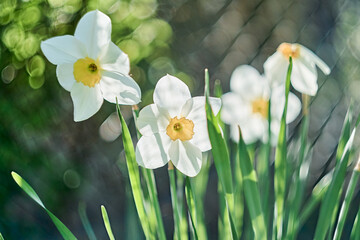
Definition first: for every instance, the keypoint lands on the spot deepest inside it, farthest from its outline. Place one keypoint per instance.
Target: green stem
(281, 161)
(174, 201)
(345, 206)
(150, 181)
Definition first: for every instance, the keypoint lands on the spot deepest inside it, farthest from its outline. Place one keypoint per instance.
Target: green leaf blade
(64, 231)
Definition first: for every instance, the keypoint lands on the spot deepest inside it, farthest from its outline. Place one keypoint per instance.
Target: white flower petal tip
(304, 74)
(181, 121)
(92, 67)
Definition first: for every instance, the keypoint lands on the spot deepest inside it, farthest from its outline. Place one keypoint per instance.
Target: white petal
(304, 76)
(201, 136)
(294, 108)
(114, 60)
(275, 68)
(186, 157)
(194, 109)
(63, 49)
(120, 86)
(151, 120)
(65, 75)
(247, 82)
(171, 94)
(313, 57)
(255, 128)
(151, 151)
(87, 100)
(234, 109)
(94, 30)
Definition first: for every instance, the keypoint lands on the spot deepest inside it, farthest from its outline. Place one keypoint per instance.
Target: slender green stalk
(181, 207)
(174, 201)
(239, 193)
(1, 237)
(190, 199)
(107, 223)
(331, 197)
(345, 206)
(134, 176)
(64, 231)
(281, 161)
(221, 158)
(85, 221)
(355, 232)
(251, 191)
(297, 193)
(150, 181)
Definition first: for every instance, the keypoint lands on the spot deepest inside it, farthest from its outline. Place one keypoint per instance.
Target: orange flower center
(260, 106)
(87, 71)
(182, 129)
(289, 50)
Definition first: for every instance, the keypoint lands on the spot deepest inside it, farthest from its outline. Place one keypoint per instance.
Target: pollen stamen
(87, 71)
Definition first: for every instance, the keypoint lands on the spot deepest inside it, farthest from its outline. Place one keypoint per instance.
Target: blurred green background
(70, 163)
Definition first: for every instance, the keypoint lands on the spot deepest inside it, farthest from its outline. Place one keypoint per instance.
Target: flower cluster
(174, 127)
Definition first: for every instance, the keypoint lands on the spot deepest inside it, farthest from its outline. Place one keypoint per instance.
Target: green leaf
(1, 237)
(134, 175)
(281, 161)
(107, 222)
(220, 153)
(346, 204)
(251, 191)
(64, 231)
(174, 201)
(331, 198)
(190, 199)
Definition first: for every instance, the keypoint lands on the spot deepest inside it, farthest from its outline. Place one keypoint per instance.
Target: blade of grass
(251, 191)
(64, 231)
(355, 232)
(281, 161)
(220, 153)
(346, 204)
(134, 175)
(331, 198)
(85, 221)
(181, 205)
(174, 201)
(300, 177)
(107, 222)
(190, 200)
(1, 237)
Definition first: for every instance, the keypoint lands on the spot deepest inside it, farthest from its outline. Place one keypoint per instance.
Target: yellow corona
(87, 71)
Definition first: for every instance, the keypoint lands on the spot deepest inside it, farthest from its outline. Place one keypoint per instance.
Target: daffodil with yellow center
(304, 73)
(247, 105)
(91, 67)
(174, 128)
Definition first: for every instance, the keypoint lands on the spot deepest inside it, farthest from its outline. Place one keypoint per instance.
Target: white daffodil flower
(304, 73)
(174, 128)
(91, 67)
(247, 106)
